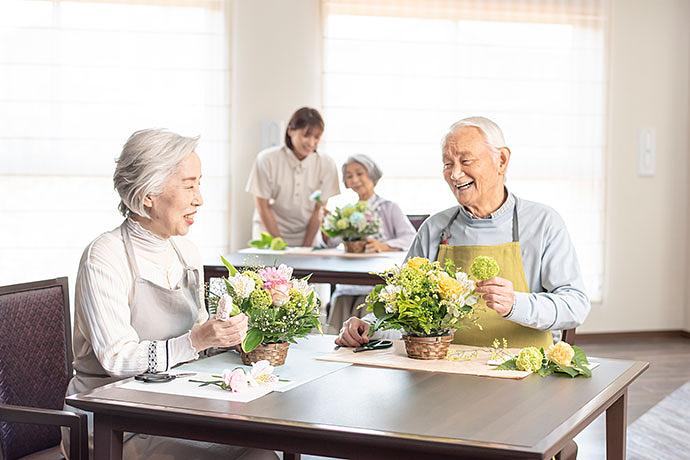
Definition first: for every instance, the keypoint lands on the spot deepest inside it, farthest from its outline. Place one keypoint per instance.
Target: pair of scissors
(160, 377)
(374, 345)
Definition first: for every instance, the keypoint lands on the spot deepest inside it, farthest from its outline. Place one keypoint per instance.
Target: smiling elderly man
(539, 288)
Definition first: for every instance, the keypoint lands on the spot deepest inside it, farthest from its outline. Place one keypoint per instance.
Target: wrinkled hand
(376, 246)
(498, 294)
(353, 333)
(217, 333)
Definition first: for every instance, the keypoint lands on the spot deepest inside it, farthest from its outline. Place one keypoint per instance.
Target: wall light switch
(646, 154)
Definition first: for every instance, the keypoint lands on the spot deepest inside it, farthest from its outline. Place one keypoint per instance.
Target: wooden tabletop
(410, 414)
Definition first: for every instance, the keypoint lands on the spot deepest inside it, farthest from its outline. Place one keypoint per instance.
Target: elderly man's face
(472, 171)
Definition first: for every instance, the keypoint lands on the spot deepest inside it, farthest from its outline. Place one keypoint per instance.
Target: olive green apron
(494, 326)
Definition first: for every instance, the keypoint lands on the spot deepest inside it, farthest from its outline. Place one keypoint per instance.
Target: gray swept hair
(148, 158)
(493, 136)
(373, 170)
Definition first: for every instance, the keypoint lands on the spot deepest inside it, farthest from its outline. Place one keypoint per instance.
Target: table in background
(327, 269)
(368, 413)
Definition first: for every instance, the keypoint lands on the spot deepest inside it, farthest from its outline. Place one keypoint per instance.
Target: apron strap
(516, 227)
(445, 233)
(129, 250)
(191, 273)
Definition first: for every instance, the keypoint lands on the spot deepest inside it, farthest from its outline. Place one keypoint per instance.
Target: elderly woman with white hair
(539, 288)
(139, 304)
(361, 174)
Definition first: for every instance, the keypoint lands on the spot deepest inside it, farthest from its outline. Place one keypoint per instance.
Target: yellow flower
(417, 263)
(561, 353)
(449, 287)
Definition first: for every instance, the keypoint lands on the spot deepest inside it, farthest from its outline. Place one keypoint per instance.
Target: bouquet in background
(353, 222)
(280, 308)
(422, 298)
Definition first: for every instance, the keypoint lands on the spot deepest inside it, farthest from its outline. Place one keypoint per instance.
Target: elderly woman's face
(304, 141)
(357, 179)
(473, 173)
(173, 211)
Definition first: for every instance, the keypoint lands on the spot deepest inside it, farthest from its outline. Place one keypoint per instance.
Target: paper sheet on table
(183, 387)
(469, 360)
(308, 251)
(299, 368)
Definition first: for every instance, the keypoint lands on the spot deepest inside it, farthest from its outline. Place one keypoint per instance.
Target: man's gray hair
(373, 170)
(490, 130)
(148, 158)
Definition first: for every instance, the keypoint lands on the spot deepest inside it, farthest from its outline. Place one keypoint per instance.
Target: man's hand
(353, 333)
(498, 294)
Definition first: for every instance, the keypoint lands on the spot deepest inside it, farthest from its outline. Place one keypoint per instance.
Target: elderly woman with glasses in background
(361, 174)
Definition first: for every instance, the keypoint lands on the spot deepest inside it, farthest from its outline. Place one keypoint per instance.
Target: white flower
(388, 295)
(225, 307)
(301, 286)
(242, 285)
(262, 374)
(285, 270)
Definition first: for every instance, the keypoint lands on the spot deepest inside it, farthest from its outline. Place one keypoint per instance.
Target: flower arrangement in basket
(426, 301)
(280, 309)
(353, 223)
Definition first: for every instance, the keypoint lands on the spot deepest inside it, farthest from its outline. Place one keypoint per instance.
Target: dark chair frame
(79, 448)
(417, 220)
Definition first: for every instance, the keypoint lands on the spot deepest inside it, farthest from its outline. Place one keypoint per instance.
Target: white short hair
(148, 158)
(492, 134)
(373, 170)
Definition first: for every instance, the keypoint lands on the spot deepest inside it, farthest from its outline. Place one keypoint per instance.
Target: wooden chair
(568, 336)
(417, 219)
(35, 368)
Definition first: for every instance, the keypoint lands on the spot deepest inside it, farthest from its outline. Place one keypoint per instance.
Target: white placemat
(300, 367)
(183, 387)
(330, 252)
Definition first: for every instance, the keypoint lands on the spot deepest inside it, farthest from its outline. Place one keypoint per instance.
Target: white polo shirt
(277, 175)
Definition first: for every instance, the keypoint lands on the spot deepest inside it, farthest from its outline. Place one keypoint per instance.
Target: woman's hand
(498, 294)
(377, 246)
(353, 333)
(217, 333)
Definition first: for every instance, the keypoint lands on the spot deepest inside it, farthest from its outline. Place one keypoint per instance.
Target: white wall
(277, 69)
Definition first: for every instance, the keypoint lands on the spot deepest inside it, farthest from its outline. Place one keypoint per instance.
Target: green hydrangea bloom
(484, 268)
(342, 224)
(529, 359)
(255, 276)
(260, 298)
(278, 244)
(348, 211)
(297, 301)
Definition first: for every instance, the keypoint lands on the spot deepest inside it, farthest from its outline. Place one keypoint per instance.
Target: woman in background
(361, 174)
(284, 179)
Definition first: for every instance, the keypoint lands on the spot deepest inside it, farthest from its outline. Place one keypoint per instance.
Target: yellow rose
(561, 353)
(449, 287)
(416, 263)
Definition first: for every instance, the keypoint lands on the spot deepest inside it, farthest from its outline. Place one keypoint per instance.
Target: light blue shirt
(557, 299)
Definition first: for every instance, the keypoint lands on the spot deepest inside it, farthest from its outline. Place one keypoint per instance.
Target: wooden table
(372, 413)
(324, 269)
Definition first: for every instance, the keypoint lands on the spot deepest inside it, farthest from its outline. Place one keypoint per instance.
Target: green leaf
(231, 269)
(379, 309)
(580, 359)
(509, 365)
(252, 340)
(547, 370)
(567, 370)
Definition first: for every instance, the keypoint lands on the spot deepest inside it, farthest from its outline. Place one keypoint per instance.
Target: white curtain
(396, 74)
(76, 79)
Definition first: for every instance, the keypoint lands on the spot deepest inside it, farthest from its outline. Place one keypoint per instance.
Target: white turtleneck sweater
(105, 343)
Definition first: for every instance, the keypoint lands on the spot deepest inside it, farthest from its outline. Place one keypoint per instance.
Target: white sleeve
(102, 295)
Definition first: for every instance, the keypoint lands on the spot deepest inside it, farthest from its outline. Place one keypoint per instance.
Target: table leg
(107, 442)
(616, 424)
(291, 456)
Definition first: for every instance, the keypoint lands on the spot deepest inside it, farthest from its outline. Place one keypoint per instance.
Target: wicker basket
(355, 246)
(275, 353)
(427, 347)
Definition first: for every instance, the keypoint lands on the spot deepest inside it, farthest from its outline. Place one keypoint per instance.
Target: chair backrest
(568, 336)
(35, 359)
(417, 219)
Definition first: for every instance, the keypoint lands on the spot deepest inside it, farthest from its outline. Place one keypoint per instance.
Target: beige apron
(159, 314)
(494, 326)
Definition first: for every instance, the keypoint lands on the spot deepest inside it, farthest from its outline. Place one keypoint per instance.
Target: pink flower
(280, 294)
(275, 276)
(235, 380)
